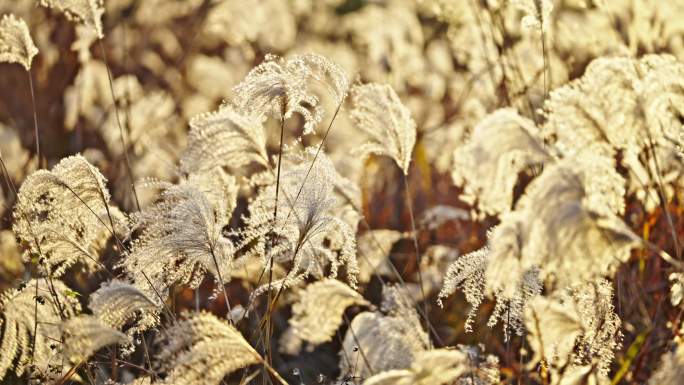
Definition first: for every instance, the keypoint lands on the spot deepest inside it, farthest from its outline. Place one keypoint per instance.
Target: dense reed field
(341, 192)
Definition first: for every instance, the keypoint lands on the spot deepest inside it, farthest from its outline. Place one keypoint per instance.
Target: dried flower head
(202, 349)
(440, 367)
(224, 138)
(16, 45)
(467, 274)
(502, 145)
(375, 343)
(88, 12)
(84, 335)
(30, 325)
(282, 87)
(572, 204)
(182, 234)
(118, 304)
(378, 112)
(63, 216)
(627, 106)
(575, 328)
(318, 313)
(307, 232)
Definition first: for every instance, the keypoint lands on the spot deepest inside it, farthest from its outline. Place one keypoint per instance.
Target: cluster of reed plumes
(349, 192)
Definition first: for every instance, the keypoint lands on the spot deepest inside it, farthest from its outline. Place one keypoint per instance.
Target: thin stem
(223, 286)
(147, 357)
(70, 373)
(89, 375)
(273, 372)
(156, 292)
(343, 350)
(393, 269)
(292, 205)
(522, 367)
(53, 292)
(538, 5)
(126, 363)
(280, 157)
(318, 151)
(121, 130)
(417, 249)
(267, 340)
(471, 367)
(35, 117)
(114, 369)
(358, 344)
(663, 197)
(35, 328)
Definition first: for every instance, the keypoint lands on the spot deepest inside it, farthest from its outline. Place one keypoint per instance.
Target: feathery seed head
(16, 45)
